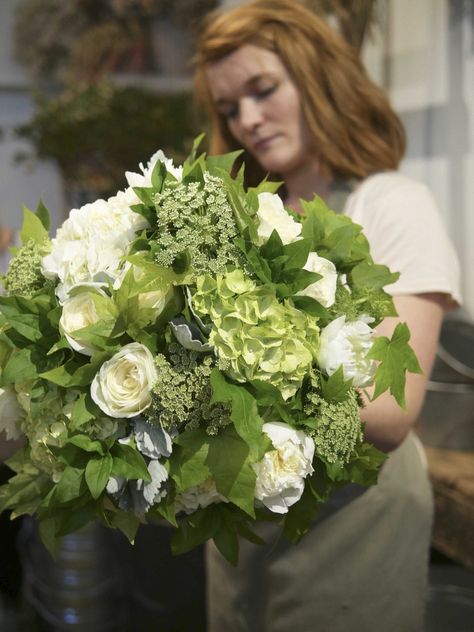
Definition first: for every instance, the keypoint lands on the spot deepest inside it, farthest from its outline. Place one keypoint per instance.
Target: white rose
(347, 345)
(281, 472)
(10, 413)
(198, 496)
(273, 216)
(122, 387)
(79, 311)
(143, 179)
(324, 289)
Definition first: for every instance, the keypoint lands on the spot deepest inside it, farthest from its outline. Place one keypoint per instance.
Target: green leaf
(336, 388)
(300, 515)
(71, 485)
(396, 358)
(32, 228)
(84, 410)
(243, 217)
(364, 467)
(373, 276)
(97, 474)
(129, 463)
(188, 466)
(226, 537)
(43, 215)
(158, 175)
(230, 465)
(86, 443)
(127, 523)
(222, 162)
(19, 368)
(195, 529)
(247, 421)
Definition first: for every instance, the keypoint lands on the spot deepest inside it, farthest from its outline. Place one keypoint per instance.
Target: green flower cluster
(196, 220)
(24, 277)
(256, 337)
(181, 396)
(339, 429)
(361, 300)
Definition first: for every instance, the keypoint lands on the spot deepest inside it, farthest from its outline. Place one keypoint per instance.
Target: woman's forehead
(242, 69)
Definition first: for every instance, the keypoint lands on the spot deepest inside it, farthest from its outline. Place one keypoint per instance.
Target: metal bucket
(447, 417)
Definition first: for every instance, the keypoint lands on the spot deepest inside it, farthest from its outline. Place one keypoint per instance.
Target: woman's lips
(264, 143)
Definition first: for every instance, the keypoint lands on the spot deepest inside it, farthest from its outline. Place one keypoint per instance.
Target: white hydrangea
(89, 246)
(198, 496)
(272, 215)
(347, 344)
(324, 289)
(281, 472)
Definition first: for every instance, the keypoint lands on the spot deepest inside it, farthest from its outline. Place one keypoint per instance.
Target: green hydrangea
(24, 277)
(339, 428)
(257, 337)
(197, 220)
(181, 396)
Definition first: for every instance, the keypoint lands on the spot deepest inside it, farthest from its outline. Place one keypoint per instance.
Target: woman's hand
(386, 424)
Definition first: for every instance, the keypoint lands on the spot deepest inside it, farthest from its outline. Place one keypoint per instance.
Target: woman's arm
(386, 424)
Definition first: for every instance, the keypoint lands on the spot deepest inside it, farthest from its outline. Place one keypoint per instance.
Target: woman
(279, 83)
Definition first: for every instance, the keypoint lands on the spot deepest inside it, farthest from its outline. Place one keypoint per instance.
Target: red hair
(353, 126)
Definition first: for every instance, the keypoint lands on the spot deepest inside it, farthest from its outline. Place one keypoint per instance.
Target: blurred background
(89, 88)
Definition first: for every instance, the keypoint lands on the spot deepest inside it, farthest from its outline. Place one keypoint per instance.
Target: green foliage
(396, 357)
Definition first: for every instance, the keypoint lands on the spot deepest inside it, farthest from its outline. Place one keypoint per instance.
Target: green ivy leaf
(336, 388)
(129, 463)
(396, 358)
(32, 228)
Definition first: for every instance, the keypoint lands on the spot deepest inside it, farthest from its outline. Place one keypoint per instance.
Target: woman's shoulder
(389, 183)
(388, 192)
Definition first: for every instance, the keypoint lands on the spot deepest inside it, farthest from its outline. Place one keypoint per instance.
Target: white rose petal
(281, 472)
(324, 289)
(122, 387)
(10, 413)
(143, 179)
(78, 311)
(273, 216)
(347, 345)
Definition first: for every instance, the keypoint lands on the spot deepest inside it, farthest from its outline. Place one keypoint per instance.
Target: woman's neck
(305, 183)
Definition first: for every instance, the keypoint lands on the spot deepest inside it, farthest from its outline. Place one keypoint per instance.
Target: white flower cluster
(89, 246)
(198, 496)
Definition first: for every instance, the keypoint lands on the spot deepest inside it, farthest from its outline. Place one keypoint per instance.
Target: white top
(402, 224)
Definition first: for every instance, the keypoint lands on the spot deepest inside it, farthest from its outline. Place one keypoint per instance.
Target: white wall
(20, 184)
(423, 54)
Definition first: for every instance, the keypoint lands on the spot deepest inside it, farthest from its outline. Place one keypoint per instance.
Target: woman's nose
(251, 115)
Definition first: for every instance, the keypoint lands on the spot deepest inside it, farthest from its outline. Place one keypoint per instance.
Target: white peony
(143, 179)
(273, 216)
(89, 246)
(122, 387)
(347, 345)
(324, 289)
(77, 312)
(10, 413)
(281, 472)
(199, 496)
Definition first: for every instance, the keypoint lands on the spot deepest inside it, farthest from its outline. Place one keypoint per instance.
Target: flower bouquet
(192, 351)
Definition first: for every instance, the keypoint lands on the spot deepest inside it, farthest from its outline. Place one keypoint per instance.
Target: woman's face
(253, 91)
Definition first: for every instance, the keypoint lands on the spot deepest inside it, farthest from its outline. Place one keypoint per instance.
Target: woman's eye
(265, 92)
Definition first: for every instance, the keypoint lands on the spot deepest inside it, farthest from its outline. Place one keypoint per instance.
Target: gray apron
(362, 567)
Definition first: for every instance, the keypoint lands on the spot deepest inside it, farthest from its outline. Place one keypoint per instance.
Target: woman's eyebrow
(249, 83)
